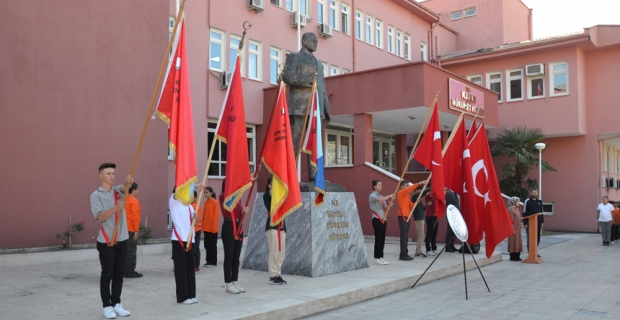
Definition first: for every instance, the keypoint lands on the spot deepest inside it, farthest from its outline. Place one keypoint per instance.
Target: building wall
(496, 22)
(76, 83)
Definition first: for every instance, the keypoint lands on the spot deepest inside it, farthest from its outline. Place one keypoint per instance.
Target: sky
(558, 17)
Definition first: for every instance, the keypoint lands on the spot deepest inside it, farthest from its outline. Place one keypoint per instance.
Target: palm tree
(518, 145)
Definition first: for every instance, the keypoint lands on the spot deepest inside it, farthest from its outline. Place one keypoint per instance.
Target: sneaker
(195, 300)
(435, 251)
(108, 313)
(197, 270)
(380, 261)
(188, 301)
(274, 280)
(422, 255)
(205, 265)
(384, 262)
(118, 309)
(282, 281)
(211, 266)
(405, 258)
(430, 253)
(133, 275)
(231, 289)
(238, 287)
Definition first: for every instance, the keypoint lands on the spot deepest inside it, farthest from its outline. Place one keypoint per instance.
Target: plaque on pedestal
(319, 241)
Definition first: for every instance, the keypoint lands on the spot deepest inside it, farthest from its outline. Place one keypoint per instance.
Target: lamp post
(540, 147)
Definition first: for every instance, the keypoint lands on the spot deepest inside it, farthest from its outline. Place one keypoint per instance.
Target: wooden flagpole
(445, 148)
(303, 131)
(213, 143)
(415, 145)
(149, 114)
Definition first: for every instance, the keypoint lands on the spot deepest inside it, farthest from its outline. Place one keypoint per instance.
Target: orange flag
(231, 130)
(175, 108)
(280, 162)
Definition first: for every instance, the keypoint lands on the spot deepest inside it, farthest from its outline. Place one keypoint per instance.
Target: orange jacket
(404, 200)
(210, 215)
(132, 208)
(198, 225)
(616, 216)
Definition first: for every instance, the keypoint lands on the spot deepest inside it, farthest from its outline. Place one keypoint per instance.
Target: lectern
(533, 239)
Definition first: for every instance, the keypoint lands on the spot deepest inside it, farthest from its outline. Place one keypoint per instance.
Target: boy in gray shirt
(108, 206)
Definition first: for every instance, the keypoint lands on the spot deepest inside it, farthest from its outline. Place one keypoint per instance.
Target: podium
(533, 239)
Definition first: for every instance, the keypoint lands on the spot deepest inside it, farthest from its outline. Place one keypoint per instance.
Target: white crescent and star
(475, 169)
(436, 135)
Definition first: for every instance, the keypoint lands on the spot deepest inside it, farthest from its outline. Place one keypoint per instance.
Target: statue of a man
(299, 73)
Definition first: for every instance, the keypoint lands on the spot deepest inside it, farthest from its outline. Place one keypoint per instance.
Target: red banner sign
(464, 98)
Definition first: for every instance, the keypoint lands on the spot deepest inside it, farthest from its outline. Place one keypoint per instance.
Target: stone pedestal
(319, 241)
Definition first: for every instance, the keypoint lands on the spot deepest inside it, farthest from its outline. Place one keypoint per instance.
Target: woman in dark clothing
(232, 242)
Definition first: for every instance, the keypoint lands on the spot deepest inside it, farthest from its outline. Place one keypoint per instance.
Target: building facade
(76, 93)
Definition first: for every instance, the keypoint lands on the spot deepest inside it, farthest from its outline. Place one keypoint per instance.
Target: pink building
(76, 93)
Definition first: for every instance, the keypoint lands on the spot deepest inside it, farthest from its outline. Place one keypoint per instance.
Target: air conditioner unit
(257, 5)
(325, 30)
(603, 182)
(532, 70)
(294, 21)
(225, 78)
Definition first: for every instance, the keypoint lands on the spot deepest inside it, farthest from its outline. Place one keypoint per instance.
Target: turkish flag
(457, 173)
(490, 208)
(280, 162)
(472, 130)
(429, 155)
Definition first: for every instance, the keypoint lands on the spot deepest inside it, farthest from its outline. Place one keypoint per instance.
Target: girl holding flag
(232, 243)
(377, 205)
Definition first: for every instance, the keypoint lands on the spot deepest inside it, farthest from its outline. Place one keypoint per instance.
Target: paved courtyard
(580, 279)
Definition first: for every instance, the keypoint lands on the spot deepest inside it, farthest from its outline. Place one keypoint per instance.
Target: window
(399, 43)
(254, 61)
(275, 2)
(304, 7)
(334, 70)
(333, 8)
(169, 221)
(289, 5)
(358, 25)
(536, 87)
(170, 26)
(339, 150)
(390, 39)
(559, 78)
(383, 151)
(324, 64)
(407, 47)
(514, 85)
(457, 15)
(345, 71)
(235, 41)
(344, 17)
(477, 79)
(494, 82)
(423, 51)
(217, 169)
(320, 11)
(378, 31)
(216, 43)
(368, 29)
(274, 64)
(470, 12)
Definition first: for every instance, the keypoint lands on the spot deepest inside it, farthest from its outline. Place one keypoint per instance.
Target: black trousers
(196, 249)
(184, 274)
(527, 231)
(380, 230)
(232, 251)
(614, 232)
(431, 233)
(403, 226)
(132, 249)
(210, 244)
(113, 266)
(449, 239)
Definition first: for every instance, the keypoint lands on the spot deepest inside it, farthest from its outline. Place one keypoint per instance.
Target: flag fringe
(281, 202)
(180, 190)
(239, 192)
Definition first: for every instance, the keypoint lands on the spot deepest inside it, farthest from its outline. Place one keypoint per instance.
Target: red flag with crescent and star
(490, 208)
(429, 155)
(457, 173)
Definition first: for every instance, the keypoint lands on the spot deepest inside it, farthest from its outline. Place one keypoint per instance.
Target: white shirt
(181, 219)
(605, 212)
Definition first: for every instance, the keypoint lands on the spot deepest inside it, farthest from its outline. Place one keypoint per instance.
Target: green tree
(518, 145)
